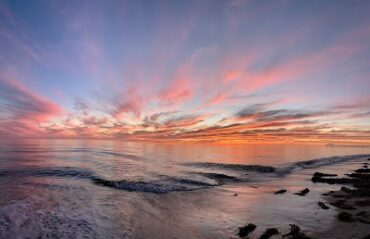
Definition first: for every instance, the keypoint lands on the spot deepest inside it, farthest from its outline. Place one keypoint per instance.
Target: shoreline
(275, 201)
(347, 200)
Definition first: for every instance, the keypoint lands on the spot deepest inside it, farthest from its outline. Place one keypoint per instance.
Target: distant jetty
(348, 145)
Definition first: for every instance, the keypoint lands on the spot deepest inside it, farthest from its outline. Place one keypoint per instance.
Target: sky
(224, 71)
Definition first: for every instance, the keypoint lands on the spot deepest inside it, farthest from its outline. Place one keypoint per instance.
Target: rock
(295, 233)
(281, 191)
(318, 174)
(345, 217)
(244, 231)
(334, 180)
(303, 192)
(294, 230)
(367, 221)
(362, 176)
(318, 177)
(342, 205)
(363, 214)
(363, 217)
(361, 193)
(344, 189)
(322, 205)
(269, 233)
(363, 203)
(362, 170)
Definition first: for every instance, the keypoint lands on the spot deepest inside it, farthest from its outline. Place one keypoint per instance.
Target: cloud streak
(213, 71)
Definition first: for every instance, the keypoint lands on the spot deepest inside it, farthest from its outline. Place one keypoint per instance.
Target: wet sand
(334, 203)
(58, 207)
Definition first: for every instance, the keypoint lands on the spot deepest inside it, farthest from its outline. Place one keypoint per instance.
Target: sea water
(117, 189)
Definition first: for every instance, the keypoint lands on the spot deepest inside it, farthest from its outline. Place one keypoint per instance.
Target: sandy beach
(316, 220)
(100, 192)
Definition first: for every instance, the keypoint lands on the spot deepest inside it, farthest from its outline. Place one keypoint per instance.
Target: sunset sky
(188, 70)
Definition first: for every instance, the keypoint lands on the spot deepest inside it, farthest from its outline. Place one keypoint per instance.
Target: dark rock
(365, 166)
(363, 203)
(362, 170)
(294, 230)
(334, 180)
(244, 231)
(342, 205)
(363, 214)
(269, 233)
(345, 217)
(295, 233)
(363, 217)
(319, 177)
(303, 192)
(366, 237)
(235, 194)
(364, 176)
(322, 205)
(361, 193)
(344, 189)
(280, 191)
(318, 174)
(367, 221)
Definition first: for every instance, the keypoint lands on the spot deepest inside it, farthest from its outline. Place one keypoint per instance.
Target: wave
(49, 172)
(158, 187)
(238, 167)
(73, 150)
(165, 185)
(316, 163)
(168, 184)
(279, 170)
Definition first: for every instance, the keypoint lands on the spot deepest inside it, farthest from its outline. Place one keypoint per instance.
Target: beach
(99, 191)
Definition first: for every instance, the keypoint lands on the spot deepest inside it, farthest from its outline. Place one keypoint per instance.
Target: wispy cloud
(231, 70)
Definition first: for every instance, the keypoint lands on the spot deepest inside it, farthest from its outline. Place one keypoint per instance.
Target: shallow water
(110, 189)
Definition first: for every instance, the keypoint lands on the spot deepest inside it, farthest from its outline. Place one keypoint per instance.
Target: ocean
(117, 189)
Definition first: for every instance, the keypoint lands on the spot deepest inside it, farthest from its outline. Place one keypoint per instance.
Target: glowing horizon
(234, 71)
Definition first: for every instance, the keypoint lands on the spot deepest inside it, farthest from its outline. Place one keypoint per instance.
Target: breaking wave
(238, 167)
(278, 170)
(193, 180)
(164, 185)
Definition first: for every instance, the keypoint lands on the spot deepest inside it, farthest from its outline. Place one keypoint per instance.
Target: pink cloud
(129, 102)
(177, 91)
(23, 110)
